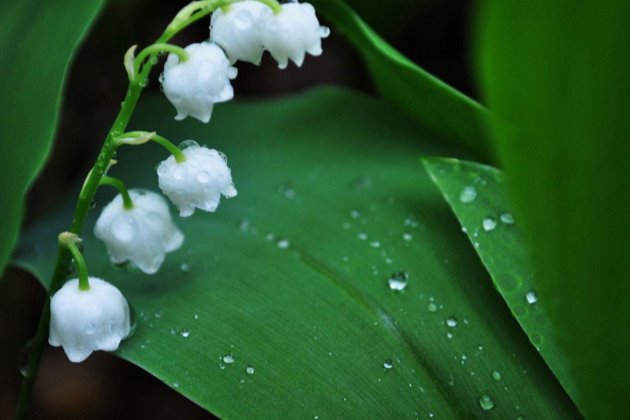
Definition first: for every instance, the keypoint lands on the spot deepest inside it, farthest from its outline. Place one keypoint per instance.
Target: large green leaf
(442, 110)
(477, 195)
(556, 73)
(37, 40)
(290, 278)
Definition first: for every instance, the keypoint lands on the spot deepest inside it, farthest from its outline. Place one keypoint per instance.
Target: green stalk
(87, 195)
(121, 187)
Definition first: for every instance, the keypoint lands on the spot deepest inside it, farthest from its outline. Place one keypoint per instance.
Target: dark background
(436, 34)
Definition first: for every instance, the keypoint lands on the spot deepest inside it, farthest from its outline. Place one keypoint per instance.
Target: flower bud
(141, 235)
(198, 182)
(85, 321)
(194, 86)
(292, 33)
(237, 30)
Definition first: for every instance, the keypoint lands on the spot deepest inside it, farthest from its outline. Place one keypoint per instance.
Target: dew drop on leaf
(398, 280)
(486, 402)
(388, 364)
(468, 195)
(489, 224)
(531, 297)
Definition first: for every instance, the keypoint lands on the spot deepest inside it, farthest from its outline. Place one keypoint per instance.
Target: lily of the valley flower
(83, 321)
(142, 234)
(237, 30)
(292, 33)
(194, 86)
(197, 182)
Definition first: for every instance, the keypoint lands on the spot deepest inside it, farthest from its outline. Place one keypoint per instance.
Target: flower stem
(158, 48)
(83, 203)
(175, 151)
(79, 261)
(121, 187)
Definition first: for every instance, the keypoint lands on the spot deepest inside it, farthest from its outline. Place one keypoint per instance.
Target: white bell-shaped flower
(237, 30)
(194, 86)
(198, 182)
(141, 235)
(292, 33)
(85, 321)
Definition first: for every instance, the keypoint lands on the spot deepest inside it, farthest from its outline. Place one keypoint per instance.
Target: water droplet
(489, 224)
(531, 297)
(468, 195)
(228, 359)
(23, 359)
(362, 236)
(507, 218)
(496, 375)
(250, 370)
(184, 267)
(398, 280)
(232, 72)
(124, 228)
(185, 333)
(158, 314)
(388, 364)
(179, 173)
(283, 244)
(355, 214)
(486, 402)
(407, 236)
(451, 321)
(323, 31)
(243, 225)
(243, 19)
(375, 244)
(175, 385)
(203, 177)
(449, 335)
(188, 143)
(432, 307)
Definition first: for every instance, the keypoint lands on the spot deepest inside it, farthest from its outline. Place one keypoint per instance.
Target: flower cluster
(241, 32)
(88, 313)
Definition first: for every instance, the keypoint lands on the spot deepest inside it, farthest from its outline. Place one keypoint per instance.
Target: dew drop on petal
(188, 143)
(203, 177)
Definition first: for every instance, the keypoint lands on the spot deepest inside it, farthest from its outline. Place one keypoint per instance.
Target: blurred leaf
(291, 278)
(37, 40)
(556, 75)
(442, 110)
(476, 193)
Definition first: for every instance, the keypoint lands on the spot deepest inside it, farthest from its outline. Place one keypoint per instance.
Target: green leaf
(476, 193)
(441, 109)
(37, 40)
(556, 74)
(335, 175)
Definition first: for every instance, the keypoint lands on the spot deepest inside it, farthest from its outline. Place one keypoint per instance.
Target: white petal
(194, 86)
(141, 235)
(197, 182)
(85, 321)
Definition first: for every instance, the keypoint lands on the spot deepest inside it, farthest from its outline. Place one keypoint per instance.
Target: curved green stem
(175, 151)
(121, 187)
(140, 137)
(157, 48)
(84, 282)
(83, 203)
